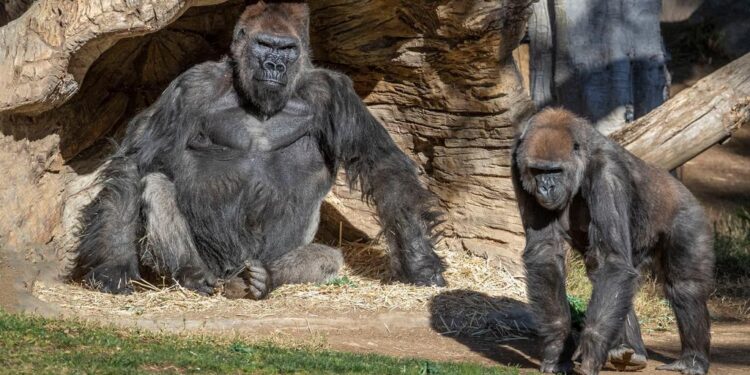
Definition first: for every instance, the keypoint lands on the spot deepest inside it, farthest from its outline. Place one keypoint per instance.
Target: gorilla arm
(107, 256)
(544, 260)
(609, 257)
(387, 177)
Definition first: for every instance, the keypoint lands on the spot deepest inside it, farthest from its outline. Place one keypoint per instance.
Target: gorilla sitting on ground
(222, 178)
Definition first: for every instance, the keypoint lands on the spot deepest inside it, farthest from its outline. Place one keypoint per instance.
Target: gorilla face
(551, 160)
(274, 55)
(551, 184)
(269, 52)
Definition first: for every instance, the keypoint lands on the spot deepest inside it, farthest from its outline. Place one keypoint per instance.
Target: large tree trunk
(601, 59)
(439, 74)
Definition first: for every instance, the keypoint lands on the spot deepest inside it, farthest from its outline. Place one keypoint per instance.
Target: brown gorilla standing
(574, 184)
(225, 173)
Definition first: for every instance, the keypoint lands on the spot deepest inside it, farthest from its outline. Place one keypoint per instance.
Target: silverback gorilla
(222, 178)
(575, 185)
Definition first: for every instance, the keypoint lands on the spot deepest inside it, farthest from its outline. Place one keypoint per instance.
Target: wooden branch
(694, 120)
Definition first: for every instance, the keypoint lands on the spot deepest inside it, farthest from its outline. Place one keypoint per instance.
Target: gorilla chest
(237, 151)
(235, 131)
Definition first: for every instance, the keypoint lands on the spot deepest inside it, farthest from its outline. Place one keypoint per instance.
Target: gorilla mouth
(550, 204)
(272, 78)
(271, 81)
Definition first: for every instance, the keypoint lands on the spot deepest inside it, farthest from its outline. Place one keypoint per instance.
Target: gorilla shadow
(498, 328)
(502, 331)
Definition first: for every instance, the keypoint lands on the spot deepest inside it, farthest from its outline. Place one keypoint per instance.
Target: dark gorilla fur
(575, 185)
(222, 178)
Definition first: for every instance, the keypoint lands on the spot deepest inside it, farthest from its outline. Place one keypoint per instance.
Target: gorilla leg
(106, 255)
(168, 248)
(629, 352)
(614, 283)
(687, 285)
(544, 258)
(313, 263)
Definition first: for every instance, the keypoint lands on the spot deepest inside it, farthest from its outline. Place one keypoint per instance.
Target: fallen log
(694, 120)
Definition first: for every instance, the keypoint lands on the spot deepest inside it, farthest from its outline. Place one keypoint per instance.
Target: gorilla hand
(197, 279)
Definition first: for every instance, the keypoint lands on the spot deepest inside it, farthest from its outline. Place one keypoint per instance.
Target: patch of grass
(342, 281)
(30, 345)
(577, 311)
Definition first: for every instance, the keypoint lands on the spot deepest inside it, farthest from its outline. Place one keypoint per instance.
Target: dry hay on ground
(477, 301)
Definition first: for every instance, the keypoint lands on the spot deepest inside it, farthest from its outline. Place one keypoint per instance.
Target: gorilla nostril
(274, 66)
(269, 65)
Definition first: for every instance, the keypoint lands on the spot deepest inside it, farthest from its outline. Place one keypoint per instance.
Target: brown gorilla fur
(283, 18)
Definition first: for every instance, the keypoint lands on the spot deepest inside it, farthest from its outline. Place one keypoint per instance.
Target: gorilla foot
(557, 367)
(623, 358)
(114, 280)
(688, 365)
(252, 282)
(201, 283)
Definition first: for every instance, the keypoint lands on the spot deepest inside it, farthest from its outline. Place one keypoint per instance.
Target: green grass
(577, 311)
(30, 345)
(342, 281)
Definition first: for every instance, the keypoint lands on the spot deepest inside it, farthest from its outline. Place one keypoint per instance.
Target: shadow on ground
(497, 328)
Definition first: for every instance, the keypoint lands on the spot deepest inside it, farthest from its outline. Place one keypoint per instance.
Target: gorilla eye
(576, 147)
